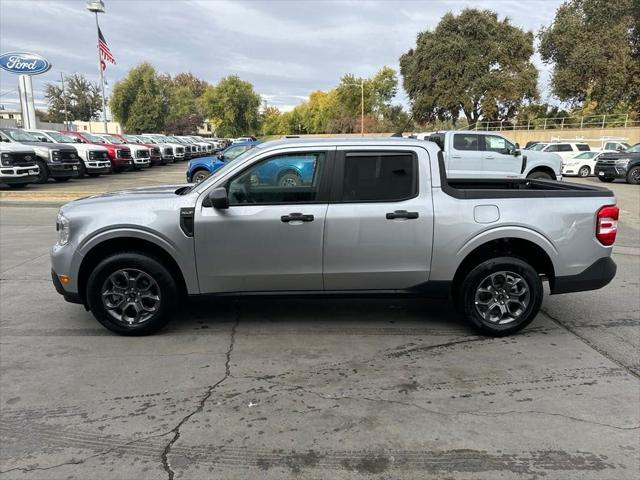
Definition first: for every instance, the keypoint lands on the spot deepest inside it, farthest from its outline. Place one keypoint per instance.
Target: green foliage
(472, 64)
(139, 101)
(83, 98)
(232, 106)
(594, 46)
(185, 113)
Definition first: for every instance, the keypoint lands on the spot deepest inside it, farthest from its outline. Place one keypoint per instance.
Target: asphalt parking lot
(304, 388)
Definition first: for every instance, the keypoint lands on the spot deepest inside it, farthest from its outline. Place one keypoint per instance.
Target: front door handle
(296, 217)
(489, 157)
(402, 214)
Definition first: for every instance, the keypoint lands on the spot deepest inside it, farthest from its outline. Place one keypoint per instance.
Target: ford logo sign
(24, 63)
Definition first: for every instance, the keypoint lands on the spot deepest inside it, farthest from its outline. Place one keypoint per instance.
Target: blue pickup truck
(289, 170)
(201, 168)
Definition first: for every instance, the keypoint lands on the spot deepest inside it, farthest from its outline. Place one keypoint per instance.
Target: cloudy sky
(285, 48)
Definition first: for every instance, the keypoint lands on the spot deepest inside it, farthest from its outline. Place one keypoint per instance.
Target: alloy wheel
(130, 296)
(502, 297)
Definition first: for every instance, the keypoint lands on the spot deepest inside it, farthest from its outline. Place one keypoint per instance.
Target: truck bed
(514, 188)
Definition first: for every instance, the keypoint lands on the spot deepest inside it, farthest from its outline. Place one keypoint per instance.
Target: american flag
(105, 53)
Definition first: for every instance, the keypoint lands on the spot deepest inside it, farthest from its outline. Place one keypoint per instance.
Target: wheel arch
(526, 249)
(545, 169)
(102, 249)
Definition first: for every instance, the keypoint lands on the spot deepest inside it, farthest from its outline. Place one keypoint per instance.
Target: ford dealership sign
(23, 63)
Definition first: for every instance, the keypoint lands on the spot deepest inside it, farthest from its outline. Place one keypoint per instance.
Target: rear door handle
(296, 217)
(490, 157)
(402, 214)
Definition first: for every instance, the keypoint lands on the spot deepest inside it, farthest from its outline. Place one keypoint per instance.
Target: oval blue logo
(24, 63)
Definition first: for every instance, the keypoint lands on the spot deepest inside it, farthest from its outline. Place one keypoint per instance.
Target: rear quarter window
(583, 147)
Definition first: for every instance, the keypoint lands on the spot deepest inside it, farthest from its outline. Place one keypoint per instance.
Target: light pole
(97, 6)
(361, 85)
(64, 99)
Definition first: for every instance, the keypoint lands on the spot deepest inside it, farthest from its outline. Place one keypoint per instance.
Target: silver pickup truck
(365, 216)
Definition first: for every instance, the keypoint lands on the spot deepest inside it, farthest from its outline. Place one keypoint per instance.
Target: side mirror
(221, 157)
(218, 198)
(620, 148)
(516, 151)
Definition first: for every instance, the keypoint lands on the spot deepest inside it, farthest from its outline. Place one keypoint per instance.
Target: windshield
(233, 152)
(93, 138)
(62, 137)
(634, 149)
(20, 135)
(586, 155)
(538, 146)
(131, 138)
(112, 139)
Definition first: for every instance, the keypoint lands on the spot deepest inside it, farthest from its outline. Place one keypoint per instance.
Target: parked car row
(35, 156)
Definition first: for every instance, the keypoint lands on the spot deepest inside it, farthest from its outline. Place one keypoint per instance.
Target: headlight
(62, 226)
(623, 162)
(55, 155)
(5, 159)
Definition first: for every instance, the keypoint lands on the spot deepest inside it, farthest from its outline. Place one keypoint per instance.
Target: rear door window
(379, 177)
(583, 147)
(564, 147)
(466, 141)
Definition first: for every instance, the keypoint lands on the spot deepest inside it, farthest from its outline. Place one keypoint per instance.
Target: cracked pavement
(308, 388)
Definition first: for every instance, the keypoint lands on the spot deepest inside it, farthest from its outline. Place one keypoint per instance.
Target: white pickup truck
(18, 165)
(473, 154)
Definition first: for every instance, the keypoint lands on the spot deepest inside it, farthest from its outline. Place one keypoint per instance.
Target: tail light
(607, 224)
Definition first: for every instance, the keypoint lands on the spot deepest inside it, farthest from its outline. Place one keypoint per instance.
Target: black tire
(167, 291)
(584, 171)
(539, 176)
(633, 175)
(290, 179)
(82, 170)
(43, 175)
(199, 175)
(477, 277)
(606, 179)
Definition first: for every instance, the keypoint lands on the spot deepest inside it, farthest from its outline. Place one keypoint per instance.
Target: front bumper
(610, 171)
(68, 296)
(98, 167)
(141, 162)
(596, 276)
(64, 170)
(18, 175)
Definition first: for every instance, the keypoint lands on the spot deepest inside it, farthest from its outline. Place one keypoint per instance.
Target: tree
(232, 106)
(594, 47)
(472, 64)
(139, 101)
(271, 121)
(83, 99)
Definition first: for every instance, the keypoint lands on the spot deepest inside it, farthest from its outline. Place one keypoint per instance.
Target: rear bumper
(596, 276)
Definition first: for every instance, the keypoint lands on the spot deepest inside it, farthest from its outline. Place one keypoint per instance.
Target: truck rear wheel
(131, 294)
(501, 296)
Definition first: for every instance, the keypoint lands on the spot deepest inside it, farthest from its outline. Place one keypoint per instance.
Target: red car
(119, 155)
(154, 151)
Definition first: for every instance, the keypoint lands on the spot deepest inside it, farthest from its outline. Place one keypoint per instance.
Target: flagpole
(101, 70)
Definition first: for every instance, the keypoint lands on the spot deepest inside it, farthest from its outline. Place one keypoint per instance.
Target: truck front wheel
(540, 175)
(43, 174)
(131, 293)
(633, 176)
(501, 295)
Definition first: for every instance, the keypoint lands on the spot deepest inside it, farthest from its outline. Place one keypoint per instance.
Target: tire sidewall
(630, 177)
(149, 265)
(479, 273)
(540, 176)
(43, 174)
(584, 169)
(293, 175)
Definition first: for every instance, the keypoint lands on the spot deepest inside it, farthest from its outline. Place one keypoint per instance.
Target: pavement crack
(584, 340)
(200, 406)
